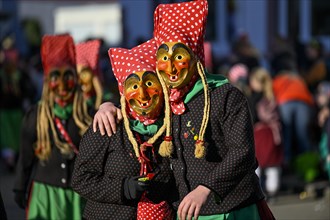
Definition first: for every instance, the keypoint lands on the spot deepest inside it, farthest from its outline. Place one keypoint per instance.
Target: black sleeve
(236, 122)
(90, 179)
(28, 88)
(26, 152)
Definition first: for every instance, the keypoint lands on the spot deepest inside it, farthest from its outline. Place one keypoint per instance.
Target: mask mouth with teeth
(147, 108)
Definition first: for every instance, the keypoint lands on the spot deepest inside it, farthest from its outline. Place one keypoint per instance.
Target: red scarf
(176, 97)
(141, 118)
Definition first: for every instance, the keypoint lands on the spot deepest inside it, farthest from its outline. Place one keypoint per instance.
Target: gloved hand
(20, 199)
(133, 188)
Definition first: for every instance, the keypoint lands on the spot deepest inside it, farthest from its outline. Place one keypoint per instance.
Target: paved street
(288, 206)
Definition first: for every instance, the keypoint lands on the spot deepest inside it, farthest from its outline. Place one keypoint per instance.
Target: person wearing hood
(123, 176)
(50, 135)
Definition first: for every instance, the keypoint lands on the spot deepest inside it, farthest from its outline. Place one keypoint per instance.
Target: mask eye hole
(149, 83)
(135, 87)
(179, 57)
(165, 58)
(54, 75)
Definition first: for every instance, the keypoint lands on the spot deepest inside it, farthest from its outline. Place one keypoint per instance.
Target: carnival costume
(111, 172)
(51, 133)
(87, 56)
(213, 143)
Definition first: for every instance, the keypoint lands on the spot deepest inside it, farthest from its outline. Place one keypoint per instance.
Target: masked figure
(51, 133)
(123, 176)
(87, 54)
(221, 168)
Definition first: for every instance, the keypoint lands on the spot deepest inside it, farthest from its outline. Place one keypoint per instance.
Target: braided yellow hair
(45, 119)
(200, 144)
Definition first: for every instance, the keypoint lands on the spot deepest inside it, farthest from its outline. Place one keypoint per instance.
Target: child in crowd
(267, 130)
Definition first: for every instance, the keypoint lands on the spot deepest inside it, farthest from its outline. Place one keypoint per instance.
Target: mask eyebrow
(85, 69)
(147, 73)
(163, 46)
(180, 45)
(54, 73)
(133, 75)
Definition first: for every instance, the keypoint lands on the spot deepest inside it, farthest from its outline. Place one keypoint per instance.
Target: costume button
(63, 180)
(63, 165)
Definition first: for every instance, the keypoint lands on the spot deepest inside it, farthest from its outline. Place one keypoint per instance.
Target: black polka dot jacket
(101, 166)
(228, 168)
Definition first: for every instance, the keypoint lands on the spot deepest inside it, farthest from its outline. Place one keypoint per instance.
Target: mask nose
(143, 95)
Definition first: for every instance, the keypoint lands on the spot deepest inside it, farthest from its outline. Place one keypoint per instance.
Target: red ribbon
(65, 135)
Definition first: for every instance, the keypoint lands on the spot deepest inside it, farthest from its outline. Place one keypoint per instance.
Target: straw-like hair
(129, 132)
(80, 112)
(45, 118)
(166, 147)
(200, 144)
(99, 92)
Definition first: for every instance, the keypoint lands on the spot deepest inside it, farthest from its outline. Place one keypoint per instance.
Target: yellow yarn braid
(200, 145)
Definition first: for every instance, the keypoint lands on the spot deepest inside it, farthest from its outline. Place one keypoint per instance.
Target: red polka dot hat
(126, 61)
(54, 47)
(182, 22)
(186, 23)
(87, 54)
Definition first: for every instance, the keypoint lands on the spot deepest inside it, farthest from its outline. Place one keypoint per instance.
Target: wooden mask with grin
(144, 94)
(176, 64)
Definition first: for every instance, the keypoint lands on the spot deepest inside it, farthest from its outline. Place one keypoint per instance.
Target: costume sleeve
(239, 163)
(27, 157)
(90, 179)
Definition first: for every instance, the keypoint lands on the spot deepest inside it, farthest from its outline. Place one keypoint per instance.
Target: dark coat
(101, 166)
(228, 168)
(57, 171)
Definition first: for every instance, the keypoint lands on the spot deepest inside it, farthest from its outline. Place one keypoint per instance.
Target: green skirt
(54, 203)
(10, 126)
(251, 212)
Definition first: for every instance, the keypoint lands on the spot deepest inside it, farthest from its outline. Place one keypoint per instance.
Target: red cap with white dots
(182, 22)
(127, 61)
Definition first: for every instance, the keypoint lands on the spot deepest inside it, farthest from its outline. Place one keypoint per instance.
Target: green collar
(63, 112)
(213, 82)
(90, 101)
(148, 130)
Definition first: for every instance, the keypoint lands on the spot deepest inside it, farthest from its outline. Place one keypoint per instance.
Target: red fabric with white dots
(54, 47)
(147, 210)
(126, 61)
(87, 54)
(182, 22)
(176, 97)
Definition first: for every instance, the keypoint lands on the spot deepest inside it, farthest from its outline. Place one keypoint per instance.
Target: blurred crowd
(289, 101)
